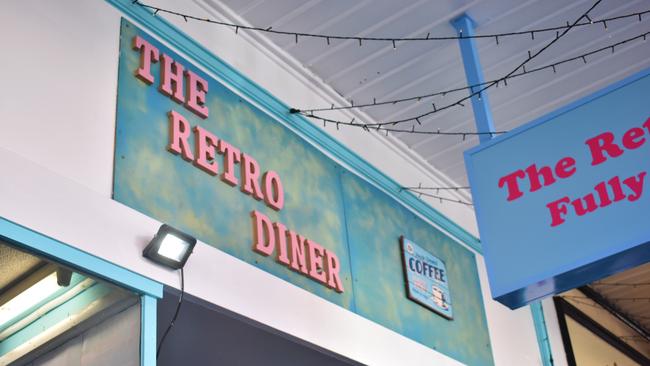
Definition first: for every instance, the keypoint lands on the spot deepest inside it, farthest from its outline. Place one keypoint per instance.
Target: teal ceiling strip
(542, 334)
(148, 339)
(73, 257)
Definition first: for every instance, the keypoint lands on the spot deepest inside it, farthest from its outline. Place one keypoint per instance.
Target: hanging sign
(426, 278)
(562, 201)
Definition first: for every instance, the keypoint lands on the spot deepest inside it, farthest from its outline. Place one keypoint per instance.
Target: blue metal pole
(542, 334)
(482, 115)
(148, 339)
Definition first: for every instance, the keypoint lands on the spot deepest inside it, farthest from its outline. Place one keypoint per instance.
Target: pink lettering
(272, 190)
(633, 138)
(206, 144)
(281, 240)
(510, 181)
(231, 156)
(333, 267)
(196, 89)
(566, 167)
(250, 174)
(179, 133)
(297, 245)
(558, 210)
(172, 78)
(263, 238)
(534, 176)
(148, 54)
(601, 144)
(316, 254)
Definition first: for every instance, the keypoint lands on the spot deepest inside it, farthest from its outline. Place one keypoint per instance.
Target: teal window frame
(150, 291)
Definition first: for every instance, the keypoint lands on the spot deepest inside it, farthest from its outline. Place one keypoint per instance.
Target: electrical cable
(379, 125)
(443, 199)
(633, 285)
(485, 85)
(178, 308)
(393, 40)
(450, 188)
(418, 98)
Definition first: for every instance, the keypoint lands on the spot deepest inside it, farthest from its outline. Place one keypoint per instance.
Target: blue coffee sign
(426, 279)
(562, 201)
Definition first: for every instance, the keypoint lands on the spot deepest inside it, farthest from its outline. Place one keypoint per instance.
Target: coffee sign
(426, 278)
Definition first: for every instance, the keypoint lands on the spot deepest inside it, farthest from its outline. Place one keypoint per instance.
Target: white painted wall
(57, 108)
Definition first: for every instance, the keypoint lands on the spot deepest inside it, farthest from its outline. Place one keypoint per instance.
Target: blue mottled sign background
(324, 202)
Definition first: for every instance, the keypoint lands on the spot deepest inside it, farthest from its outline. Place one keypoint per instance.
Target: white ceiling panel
(377, 71)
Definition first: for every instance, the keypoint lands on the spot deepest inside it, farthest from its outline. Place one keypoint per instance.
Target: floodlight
(170, 247)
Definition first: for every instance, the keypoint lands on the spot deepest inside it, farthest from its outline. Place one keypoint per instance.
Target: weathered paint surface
(319, 195)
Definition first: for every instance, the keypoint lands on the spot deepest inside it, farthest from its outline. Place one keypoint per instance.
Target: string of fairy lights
(458, 103)
(379, 126)
(418, 98)
(419, 192)
(328, 38)
(471, 91)
(621, 299)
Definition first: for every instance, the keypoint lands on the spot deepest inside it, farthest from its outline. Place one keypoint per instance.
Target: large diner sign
(201, 148)
(563, 201)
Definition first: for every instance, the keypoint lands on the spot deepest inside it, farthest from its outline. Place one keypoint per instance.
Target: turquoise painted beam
(148, 339)
(474, 74)
(42, 245)
(542, 334)
(484, 123)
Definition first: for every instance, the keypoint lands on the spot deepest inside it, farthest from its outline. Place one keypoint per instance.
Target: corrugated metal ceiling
(378, 71)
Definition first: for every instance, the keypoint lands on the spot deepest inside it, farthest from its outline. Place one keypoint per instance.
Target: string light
(418, 191)
(633, 285)
(394, 40)
(380, 127)
(442, 199)
(328, 37)
(531, 56)
(443, 93)
(632, 299)
(452, 188)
